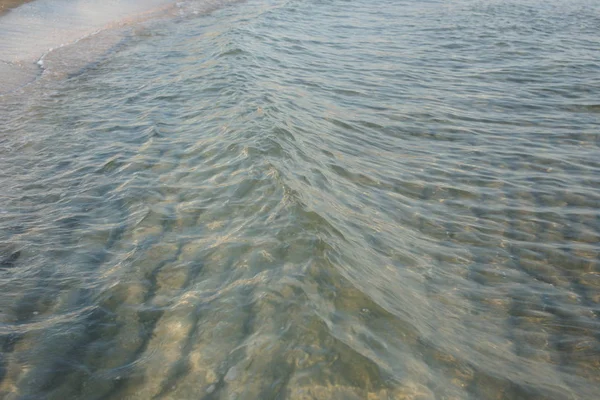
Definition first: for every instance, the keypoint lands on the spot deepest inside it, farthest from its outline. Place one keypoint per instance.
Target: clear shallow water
(302, 199)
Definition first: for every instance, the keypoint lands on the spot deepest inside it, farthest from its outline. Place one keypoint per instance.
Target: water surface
(298, 199)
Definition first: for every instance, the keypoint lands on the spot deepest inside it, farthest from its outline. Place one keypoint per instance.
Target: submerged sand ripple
(226, 206)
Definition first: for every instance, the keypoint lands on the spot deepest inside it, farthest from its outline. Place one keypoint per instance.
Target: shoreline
(30, 30)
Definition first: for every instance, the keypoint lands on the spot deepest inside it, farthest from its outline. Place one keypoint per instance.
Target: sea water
(302, 199)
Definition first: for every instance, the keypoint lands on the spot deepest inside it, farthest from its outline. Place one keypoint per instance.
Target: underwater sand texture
(307, 200)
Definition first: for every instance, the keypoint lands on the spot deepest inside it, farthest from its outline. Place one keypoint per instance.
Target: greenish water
(298, 199)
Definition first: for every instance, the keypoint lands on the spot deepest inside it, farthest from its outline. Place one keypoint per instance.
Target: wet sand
(6, 5)
(11, 76)
(37, 30)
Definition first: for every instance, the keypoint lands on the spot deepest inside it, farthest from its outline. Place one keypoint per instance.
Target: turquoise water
(308, 200)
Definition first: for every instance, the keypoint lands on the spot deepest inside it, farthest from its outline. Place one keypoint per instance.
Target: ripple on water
(294, 199)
